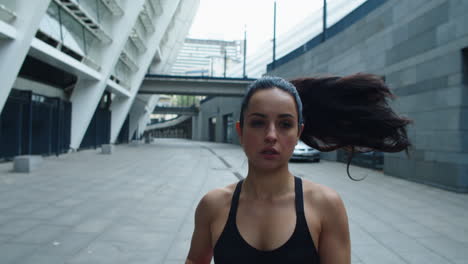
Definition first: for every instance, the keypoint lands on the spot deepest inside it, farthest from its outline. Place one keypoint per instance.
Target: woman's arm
(334, 241)
(201, 250)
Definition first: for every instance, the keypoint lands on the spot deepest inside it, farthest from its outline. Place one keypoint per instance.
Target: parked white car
(304, 152)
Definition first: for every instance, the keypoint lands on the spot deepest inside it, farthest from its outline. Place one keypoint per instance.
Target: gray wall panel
(417, 45)
(218, 107)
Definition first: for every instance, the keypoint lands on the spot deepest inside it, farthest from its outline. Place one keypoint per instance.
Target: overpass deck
(137, 206)
(188, 85)
(176, 110)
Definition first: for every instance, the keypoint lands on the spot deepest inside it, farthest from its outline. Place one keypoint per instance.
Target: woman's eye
(286, 124)
(256, 123)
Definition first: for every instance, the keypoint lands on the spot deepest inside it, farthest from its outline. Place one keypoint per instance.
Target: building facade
(206, 57)
(70, 69)
(216, 120)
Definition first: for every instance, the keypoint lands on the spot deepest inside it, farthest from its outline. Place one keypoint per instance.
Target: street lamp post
(274, 34)
(245, 52)
(324, 32)
(225, 61)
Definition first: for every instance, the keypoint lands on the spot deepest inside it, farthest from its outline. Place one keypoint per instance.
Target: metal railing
(338, 18)
(62, 31)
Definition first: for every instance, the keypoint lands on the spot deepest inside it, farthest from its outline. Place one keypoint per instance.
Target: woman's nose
(271, 135)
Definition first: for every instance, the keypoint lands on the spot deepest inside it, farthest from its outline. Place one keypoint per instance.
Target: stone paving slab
(137, 204)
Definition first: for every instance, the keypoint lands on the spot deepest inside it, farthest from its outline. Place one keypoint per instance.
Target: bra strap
(299, 195)
(235, 200)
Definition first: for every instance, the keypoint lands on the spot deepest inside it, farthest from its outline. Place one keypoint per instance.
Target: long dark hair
(350, 113)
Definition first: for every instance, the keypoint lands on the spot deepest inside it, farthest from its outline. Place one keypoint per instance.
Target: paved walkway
(136, 206)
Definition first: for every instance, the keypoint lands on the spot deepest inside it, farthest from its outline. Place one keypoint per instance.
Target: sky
(226, 19)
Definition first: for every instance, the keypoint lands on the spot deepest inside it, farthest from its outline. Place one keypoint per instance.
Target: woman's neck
(268, 184)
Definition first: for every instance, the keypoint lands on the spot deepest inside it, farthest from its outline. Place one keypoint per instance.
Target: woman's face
(270, 130)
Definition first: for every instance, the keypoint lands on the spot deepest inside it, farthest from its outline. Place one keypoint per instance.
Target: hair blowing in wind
(352, 113)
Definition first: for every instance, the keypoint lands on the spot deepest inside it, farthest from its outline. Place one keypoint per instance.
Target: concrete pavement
(137, 205)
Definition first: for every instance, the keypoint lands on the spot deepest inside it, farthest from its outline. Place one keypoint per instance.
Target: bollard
(26, 163)
(107, 149)
(135, 143)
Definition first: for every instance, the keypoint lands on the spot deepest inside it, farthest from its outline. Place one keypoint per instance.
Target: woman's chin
(268, 164)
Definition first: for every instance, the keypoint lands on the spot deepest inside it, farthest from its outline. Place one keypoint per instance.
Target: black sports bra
(299, 249)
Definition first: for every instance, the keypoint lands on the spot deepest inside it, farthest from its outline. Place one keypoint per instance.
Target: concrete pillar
(87, 93)
(142, 123)
(153, 101)
(121, 106)
(13, 51)
(200, 129)
(195, 127)
(136, 111)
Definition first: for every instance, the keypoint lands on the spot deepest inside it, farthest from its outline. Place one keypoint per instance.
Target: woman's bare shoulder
(216, 199)
(321, 197)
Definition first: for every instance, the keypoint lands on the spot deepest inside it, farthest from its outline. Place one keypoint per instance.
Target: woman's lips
(269, 153)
